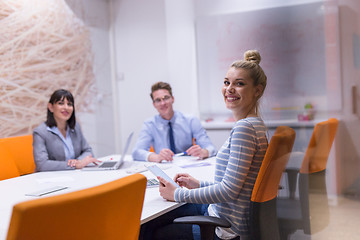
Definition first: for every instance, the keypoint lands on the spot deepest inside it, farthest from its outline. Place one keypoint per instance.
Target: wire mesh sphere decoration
(43, 47)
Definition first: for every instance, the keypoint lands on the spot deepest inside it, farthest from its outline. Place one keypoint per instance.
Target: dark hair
(57, 96)
(158, 86)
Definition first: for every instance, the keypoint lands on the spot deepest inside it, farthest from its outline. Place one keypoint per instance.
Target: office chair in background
(263, 220)
(309, 212)
(108, 211)
(8, 167)
(21, 151)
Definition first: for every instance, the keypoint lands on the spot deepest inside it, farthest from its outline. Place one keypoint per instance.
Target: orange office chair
(109, 211)
(8, 167)
(21, 150)
(263, 220)
(309, 212)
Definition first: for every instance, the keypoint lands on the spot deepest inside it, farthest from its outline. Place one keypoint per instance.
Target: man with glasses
(171, 132)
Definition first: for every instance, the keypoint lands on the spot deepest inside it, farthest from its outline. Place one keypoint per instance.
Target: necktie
(171, 134)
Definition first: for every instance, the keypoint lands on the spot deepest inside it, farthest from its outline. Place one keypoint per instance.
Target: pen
(180, 154)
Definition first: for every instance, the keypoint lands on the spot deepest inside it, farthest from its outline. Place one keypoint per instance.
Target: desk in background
(13, 190)
(219, 131)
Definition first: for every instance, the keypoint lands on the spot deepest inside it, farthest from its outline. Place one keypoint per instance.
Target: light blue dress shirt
(68, 145)
(155, 132)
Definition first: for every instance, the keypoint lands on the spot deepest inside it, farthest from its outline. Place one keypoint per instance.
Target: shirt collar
(55, 130)
(164, 121)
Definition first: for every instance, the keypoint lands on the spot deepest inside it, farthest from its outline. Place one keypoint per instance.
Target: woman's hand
(164, 154)
(186, 180)
(78, 164)
(166, 189)
(197, 151)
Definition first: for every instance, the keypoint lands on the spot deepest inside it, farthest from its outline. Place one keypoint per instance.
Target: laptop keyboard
(107, 164)
(152, 182)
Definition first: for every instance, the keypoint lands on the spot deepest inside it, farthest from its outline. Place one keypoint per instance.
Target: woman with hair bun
(58, 143)
(237, 162)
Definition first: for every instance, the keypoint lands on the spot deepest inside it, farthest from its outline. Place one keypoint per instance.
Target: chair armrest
(207, 224)
(203, 220)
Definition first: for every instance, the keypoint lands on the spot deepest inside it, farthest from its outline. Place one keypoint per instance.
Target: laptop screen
(124, 151)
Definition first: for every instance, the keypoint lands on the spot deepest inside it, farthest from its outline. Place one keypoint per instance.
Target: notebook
(114, 164)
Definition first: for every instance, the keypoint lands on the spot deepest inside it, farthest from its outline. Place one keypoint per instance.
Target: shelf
(220, 125)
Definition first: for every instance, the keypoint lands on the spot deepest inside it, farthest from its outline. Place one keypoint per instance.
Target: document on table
(189, 162)
(139, 167)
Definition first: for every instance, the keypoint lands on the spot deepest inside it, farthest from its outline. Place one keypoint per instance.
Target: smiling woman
(58, 142)
(237, 163)
(244, 85)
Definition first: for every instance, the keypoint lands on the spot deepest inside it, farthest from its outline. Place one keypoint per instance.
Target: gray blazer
(48, 148)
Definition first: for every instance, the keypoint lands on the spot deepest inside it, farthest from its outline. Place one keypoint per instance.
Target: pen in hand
(180, 154)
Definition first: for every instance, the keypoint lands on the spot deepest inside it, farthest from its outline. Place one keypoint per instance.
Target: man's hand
(197, 151)
(165, 154)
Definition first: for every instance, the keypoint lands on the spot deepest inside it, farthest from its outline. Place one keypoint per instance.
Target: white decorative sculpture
(43, 47)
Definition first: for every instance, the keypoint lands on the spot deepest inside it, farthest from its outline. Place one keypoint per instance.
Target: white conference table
(13, 190)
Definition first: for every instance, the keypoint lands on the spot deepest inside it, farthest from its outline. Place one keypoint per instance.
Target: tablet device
(158, 172)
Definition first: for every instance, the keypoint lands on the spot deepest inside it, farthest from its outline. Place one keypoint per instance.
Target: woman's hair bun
(252, 56)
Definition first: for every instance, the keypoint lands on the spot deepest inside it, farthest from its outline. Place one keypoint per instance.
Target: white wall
(181, 54)
(98, 124)
(155, 41)
(140, 59)
(348, 168)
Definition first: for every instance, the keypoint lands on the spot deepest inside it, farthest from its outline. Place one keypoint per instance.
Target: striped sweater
(237, 166)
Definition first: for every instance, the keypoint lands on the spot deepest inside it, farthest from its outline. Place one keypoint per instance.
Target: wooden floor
(344, 221)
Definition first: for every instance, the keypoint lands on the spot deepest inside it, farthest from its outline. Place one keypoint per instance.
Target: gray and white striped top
(237, 166)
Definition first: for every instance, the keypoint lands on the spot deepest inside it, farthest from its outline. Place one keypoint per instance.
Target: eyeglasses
(164, 98)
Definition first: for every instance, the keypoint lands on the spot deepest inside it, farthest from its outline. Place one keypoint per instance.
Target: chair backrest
(273, 165)
(21, 150)
(312, 181)
(319, 147)
(109, 211)
(263, 217)
(8, 167)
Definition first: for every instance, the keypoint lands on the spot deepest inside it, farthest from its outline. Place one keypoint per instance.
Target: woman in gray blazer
(59, 143)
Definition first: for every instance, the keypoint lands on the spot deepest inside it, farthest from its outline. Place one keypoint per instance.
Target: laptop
(114, 164)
